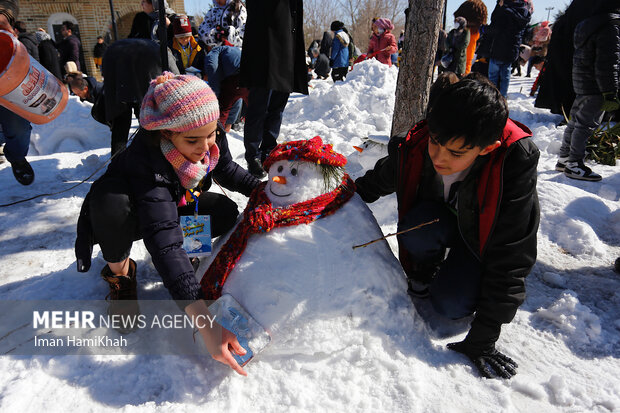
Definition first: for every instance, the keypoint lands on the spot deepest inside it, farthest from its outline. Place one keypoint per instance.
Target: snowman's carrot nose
(357, 148)
(279, 180)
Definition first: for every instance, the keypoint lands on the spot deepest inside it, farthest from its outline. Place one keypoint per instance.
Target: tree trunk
(416, 69)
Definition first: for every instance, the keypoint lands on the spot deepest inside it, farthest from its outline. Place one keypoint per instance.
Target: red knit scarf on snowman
(260, 216)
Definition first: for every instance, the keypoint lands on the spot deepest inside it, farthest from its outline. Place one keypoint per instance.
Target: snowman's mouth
(278, 195)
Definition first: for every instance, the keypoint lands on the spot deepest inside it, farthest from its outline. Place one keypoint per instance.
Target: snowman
(290, 262)
(373, 148)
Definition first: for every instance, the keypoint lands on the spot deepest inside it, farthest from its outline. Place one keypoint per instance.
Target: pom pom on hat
(178, 103)
(312, 150)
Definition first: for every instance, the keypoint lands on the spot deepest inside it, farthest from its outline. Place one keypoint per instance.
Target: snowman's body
(297, 280)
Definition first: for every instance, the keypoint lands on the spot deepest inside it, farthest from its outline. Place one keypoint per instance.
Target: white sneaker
(559, 166)
(577, 170)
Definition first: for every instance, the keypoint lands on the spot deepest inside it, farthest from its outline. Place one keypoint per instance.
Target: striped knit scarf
(260, 216)
(190, 174)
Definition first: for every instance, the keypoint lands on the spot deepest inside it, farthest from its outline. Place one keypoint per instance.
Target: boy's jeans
(499, 74)
(585, 116)
(454, 289)
(16, 131)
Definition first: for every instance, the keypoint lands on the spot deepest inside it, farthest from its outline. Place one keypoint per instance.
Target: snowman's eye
(280, 168)
(294, 171)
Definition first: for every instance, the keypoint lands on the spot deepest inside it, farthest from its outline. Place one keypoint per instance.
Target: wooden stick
(396, 233)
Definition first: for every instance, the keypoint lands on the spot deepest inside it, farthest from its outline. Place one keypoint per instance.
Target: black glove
(479, 346)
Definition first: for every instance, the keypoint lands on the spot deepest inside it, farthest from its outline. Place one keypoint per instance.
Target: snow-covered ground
(565, 337)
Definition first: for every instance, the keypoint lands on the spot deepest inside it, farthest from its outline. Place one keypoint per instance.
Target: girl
(179, 147)
(224, 21)
(382, 41)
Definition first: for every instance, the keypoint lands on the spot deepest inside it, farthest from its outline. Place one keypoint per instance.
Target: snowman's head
(291, 182)
(302, 170)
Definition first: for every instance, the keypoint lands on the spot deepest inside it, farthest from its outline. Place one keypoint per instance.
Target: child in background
(382, 41)
(98, 52)
(144, 191)
(185, 48)
(475, 170)
(340, 51)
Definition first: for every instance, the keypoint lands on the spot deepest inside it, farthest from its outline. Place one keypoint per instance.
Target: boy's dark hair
(68, 25)
(20, 26)
(471, 109)
(444, 80)
(77, 83)
(99, 37)
(477, 76)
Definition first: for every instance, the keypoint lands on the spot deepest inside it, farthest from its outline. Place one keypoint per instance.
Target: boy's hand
(489, 362)
(610, 104)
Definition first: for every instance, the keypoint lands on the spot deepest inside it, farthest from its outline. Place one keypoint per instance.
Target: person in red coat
(474, 169)
(382, 42)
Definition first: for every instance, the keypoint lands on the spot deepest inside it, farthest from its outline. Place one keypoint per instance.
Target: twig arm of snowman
(396, 233)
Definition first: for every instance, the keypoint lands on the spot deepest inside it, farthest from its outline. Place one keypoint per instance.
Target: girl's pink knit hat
(384, 24)
(178, 103)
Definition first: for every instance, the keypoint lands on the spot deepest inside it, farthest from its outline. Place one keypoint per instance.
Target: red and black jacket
(498, 211)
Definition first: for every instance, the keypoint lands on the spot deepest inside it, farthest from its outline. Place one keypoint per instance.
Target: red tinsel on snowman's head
(312, 150)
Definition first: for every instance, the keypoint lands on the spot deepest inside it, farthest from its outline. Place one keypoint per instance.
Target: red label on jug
(39, 93)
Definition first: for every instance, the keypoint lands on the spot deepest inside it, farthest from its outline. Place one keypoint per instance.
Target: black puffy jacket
(29, 40)
(596, 61)
(507, 26)
(155, 190)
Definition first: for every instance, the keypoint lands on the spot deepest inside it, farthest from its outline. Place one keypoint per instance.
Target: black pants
(115, 223)
(121, 125)
(262, 122)
(339, 73)
(455, 287)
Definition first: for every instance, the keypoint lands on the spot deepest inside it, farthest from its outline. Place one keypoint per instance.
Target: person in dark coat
(326, 43)
(27, 39)
(474, 169)
(555, 84)
(128, 67)
(273, 64)
(596, 73)
(70, 47)
(86, 88)
(99, 51)
(508, 22)
(457, 41)
(143, 193)
(142, 24)
(319, 63)
(48, 55)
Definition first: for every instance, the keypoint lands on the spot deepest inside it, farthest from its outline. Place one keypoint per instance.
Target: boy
(475, 170)
(98, 52)
(185, 48)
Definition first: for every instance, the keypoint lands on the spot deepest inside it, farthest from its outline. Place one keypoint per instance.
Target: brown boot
(123, 297)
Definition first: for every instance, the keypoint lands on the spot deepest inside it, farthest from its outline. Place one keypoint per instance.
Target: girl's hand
(218, 341)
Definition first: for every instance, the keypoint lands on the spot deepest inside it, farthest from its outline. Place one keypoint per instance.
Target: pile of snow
(565, 337)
